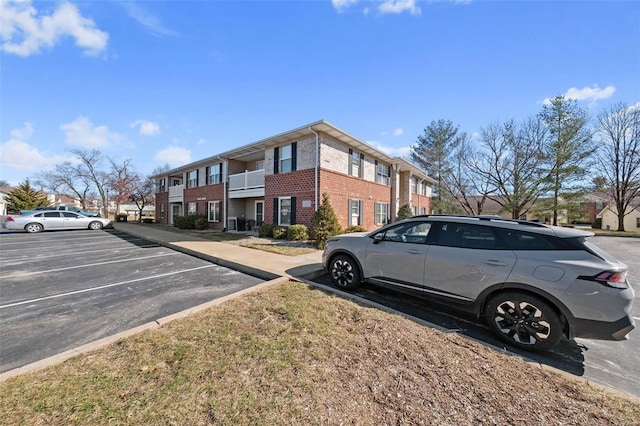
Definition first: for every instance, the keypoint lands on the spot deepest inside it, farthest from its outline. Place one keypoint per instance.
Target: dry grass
(279, 249)
(294, 355)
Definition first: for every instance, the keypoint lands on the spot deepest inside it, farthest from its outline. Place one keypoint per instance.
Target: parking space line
(89, 265)
(71, 293)
(102, 250)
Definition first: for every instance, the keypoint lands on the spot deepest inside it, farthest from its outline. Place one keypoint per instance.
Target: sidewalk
(251, 261)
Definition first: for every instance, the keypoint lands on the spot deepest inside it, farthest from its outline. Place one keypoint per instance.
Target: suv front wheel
(344, 272)
(524, 321)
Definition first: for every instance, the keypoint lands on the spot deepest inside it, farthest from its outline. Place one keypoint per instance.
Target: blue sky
(176, 81)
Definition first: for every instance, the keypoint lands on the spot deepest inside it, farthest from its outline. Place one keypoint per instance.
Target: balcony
(176, 194)
(247, 184)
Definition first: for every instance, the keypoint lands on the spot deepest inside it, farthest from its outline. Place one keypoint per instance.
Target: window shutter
(361, 169)
(350, 161)
(275, 212)
(349, 214)
(276, 159)
(360, 209)
(294, 149)
(293, 210)
(206, 175)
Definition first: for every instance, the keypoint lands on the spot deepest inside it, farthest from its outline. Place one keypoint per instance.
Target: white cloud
(24, 33)
(398, 132)
(84, 133)
(341, 5)
(174, 156)
(402, 151)
(592, 94)
(201, 141)
(147, 20)
(399, 6)
(23, 134)
(18, 154)
(146, 128)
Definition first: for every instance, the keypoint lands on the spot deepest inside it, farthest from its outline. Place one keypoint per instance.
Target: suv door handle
(414, 251)
(494, 263)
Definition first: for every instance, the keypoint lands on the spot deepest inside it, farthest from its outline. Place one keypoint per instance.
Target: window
(355, 212)
(214, 174)
(260, 165)
(415, 232)
(71, 215)
(383, 173)
(52, 214)
(176, 182)
(637, 222)
(259, 213)
(192, 209)
(356, 161)
(192, 179)
(414, 185)
(162, 185)
(214, 211)
(381, 213)
(517, 240)
(467, 236)
(284, 212)
(285, 158)
(161, 211)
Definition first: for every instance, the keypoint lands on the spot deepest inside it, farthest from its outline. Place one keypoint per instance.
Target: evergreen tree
(404, 212)
(24, 197)
(324, 223)
(568, 149)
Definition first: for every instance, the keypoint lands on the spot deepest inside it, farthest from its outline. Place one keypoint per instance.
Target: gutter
(224, 191)
(315, 184)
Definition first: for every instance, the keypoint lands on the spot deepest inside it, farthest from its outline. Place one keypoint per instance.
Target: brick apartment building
(281, 180)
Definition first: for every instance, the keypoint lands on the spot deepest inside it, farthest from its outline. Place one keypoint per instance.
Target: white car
(49, 220)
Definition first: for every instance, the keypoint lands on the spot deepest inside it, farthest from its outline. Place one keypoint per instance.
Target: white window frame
(192, 208)
(192, 178)
(381, 215)
(161, 211)
(355, 163)
(213, 211)
(162, 185)
(280, 217)
(382, 174)
(214, 178)
(355, 219)
(285, 160)
(260, 165)
(414, 186)
(259, 220)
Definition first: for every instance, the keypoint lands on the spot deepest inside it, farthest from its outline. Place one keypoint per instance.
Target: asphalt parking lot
(614, 364)
(62, 289)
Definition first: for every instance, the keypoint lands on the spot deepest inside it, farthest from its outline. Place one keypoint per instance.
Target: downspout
(224, 191)
(316, 168)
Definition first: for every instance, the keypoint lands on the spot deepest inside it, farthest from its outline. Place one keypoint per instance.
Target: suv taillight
(10, 219)
(615, 279)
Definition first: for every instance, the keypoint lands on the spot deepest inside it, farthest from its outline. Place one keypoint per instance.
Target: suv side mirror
(378, 237)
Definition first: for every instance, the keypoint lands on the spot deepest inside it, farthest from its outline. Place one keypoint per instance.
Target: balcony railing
(176, 193)
(247, 180)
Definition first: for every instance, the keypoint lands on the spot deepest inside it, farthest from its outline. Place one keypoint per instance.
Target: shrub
(200, 223)
(297, 233)
(597, 224)
(179, 222)
(188, 222)
(324, 223)
(266, 230)
(355, 228)
(279, 232)
(404, 212)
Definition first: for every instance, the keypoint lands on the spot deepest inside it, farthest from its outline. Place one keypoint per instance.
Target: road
(62, 289)
(614, 364)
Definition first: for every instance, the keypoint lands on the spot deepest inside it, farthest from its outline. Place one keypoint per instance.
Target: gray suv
(532, 283)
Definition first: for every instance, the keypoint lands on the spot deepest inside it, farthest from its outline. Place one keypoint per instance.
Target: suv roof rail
(487, 217)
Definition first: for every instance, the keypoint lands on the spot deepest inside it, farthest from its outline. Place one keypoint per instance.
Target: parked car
(62, 208)
(49, 220)
(531, 282)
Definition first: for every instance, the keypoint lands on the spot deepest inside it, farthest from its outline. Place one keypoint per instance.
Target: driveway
(63, 289)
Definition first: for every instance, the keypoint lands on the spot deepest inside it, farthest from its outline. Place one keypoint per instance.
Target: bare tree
(618, 134)
(511, 162)
(67, 179)
(142, 192)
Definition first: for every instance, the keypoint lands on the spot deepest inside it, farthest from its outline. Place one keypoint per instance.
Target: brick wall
(202, 195)
(297, 184)
(162, 198)
(341, 187)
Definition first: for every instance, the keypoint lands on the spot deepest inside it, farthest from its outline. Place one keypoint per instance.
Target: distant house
(4, 191)
(609, 217)
(493, 206)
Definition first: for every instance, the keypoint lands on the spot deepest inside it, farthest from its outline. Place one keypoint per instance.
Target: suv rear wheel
(524, 321)
(344, 272)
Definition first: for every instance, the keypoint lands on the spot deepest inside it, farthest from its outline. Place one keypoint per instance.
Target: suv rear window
(468, 236)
